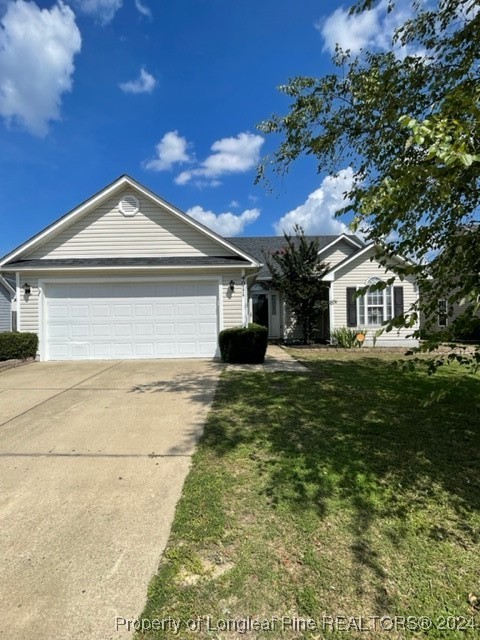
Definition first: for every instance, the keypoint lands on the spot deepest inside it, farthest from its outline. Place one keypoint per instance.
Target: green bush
(245, 345)
(346, 338)
(14, 345)
(467, 328)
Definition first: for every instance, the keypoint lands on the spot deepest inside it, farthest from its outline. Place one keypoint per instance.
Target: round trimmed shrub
(244, 345)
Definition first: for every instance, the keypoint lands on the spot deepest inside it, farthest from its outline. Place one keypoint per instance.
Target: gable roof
(258, 246)
(92, 202)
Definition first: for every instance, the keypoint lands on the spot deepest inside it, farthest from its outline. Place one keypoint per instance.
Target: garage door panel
(102, 351)
(164, 310)
(131, 320)
(185, 348)
(80, 350)
(205, 348)
(185, 309)
(122, 331)
(101, 330)
(206, 309)
(122, 310)
(79, 311)
(165, 350)
(144, 310)
(146, 350)
(207, 329)
(186, 329)
(59, 311)
(144, 330)
(100, 311)
(79, 331)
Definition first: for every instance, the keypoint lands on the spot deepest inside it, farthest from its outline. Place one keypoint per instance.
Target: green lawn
(338, 496)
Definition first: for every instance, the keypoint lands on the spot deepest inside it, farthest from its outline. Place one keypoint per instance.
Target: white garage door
(130, 320)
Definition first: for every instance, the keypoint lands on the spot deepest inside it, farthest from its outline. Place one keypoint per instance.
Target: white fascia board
(344, 237)
(105, 193)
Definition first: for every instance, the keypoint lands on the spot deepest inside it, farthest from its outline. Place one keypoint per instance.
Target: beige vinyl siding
(29, 305)
(232, 302)
(106, 233)
(356, 274)
(340, 251)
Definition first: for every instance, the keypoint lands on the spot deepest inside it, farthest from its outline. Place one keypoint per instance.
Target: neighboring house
(7, 296)
(351, 267)
(127, 275)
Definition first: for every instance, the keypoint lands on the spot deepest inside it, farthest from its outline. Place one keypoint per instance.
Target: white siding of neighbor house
(356, 274)
(106, 233)
(231, 303)
(5, 309)
(340, 251)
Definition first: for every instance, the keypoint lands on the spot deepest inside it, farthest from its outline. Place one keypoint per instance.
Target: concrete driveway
(93, 456)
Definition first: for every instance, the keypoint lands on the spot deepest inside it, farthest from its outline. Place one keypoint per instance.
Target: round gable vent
(129, 205)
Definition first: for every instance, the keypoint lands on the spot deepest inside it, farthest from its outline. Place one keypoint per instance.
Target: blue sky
(170, 93)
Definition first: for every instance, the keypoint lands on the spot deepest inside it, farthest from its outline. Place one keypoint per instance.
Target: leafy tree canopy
(297, 273)
(407, 122)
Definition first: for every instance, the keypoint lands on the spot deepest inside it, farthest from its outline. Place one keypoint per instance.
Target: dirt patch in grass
(342, 494)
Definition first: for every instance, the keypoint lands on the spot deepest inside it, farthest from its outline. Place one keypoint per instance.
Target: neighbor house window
(442, 313)
(376, 307)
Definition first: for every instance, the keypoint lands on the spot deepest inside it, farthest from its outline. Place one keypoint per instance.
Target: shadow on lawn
(358, 431)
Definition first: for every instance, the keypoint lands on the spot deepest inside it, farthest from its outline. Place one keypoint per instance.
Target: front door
(265, 307)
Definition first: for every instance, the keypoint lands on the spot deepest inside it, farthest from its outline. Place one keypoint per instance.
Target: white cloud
(317, 214)
(234, 204)
(171, 149)
(143, 9)
(368, 29)
(37, 49)
(102, 10)
(225, 224)
(230, 155)
(145, 83)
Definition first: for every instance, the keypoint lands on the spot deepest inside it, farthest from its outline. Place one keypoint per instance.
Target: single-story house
(7, 298)
(127, 275)
(351, 266)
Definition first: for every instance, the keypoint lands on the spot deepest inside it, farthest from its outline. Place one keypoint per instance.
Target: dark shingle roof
(258, 246)
(173, 261)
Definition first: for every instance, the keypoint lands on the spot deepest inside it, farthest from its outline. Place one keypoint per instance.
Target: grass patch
(341, 492)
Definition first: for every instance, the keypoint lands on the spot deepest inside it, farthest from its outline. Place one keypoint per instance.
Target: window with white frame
(442, 313)
(376, 307)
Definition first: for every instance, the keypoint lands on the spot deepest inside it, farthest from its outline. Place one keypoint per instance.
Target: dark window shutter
(351, 307)
(397, 301)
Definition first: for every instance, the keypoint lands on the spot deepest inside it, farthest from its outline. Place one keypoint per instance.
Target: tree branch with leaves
(407, 121)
